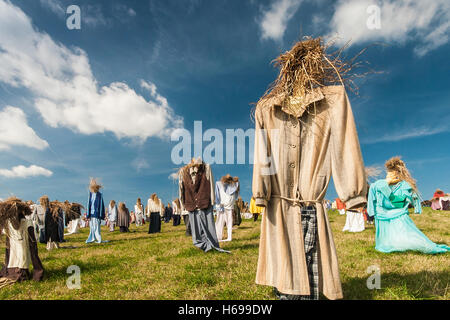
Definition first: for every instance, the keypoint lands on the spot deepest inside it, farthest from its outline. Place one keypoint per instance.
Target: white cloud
(409, 133)
(424, 22)
(274, 20)
(65, 91)
(15, 131)
(174, 176)
(25, 172)
(55, 6)
(140, 164)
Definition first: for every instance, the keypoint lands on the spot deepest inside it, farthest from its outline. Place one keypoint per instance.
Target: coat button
(292, 165)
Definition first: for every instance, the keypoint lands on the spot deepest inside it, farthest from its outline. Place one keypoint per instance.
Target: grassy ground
(167, 266)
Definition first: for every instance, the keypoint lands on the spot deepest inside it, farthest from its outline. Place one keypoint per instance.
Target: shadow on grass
(421, 285)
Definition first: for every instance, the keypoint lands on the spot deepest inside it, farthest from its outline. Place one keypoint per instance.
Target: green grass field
(167, 266)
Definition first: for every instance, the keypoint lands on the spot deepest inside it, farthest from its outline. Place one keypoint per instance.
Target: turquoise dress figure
(395, 231)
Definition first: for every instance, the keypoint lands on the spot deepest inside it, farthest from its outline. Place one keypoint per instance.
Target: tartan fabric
(309, 225)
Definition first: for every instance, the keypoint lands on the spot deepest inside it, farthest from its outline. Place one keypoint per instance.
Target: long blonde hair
(397, 166)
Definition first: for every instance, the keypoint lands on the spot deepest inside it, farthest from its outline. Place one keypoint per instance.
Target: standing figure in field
(154, 214)
(73, 216)
(255, 210)
(168, 213)
(340, 207)
(176, 212)
(435, 202)
(123, 218)
(21, 244)
(305, 132)
(95, 212)
(39, 216)
(389, 200)
(52, 225)
(112, 215)
(196, 190)
(354, 222)
(227, 192)
(139, 212)
(237, 212)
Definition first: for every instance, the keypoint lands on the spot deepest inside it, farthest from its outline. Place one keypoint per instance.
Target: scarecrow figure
(227, 192)
(196, 190)
(305, 132)
(389, 201)
(72, 213)
(21, 245)
(95, 212)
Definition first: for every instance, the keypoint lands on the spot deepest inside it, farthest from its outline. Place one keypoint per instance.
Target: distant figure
(112, 215)
(340, 207)
(389, 200)
(123, 218)
(96, 212)
(226, 193)
(176, 206)
(39, 217)
(154, 214)
(168, 212)
(435, 202)
(139, 212)
(255, 210)
(52, 222)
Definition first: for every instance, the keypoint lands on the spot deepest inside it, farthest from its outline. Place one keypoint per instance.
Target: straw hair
(45, 202)
(139, 203)
(112, 203)
(94, 186)
(398, 167)
(154, 197)
(122, 206)
(306, 67)
(13, 210)
(228, 179)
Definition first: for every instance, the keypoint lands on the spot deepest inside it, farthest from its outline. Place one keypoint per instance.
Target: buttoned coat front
(295, 157)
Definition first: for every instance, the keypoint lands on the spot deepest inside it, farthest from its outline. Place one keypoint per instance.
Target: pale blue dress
(395, 231)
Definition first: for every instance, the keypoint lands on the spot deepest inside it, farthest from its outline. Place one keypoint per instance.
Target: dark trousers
(255, 216)
(176, 220)
(124, 229)
(155, 223)
(188, 226)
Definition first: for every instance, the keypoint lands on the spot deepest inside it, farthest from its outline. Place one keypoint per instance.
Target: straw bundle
(13, 210)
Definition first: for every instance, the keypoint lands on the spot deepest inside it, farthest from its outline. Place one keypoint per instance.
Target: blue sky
(102, 101)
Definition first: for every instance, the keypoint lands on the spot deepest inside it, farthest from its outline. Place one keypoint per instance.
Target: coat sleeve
(88, 214)
(346, 159)
(372, 201)
(102, 208)
(181, 191)
(261, 185)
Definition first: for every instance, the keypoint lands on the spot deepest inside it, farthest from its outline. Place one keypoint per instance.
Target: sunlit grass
(167, 266)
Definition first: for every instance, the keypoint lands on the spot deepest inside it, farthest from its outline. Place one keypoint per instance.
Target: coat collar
(314, 96)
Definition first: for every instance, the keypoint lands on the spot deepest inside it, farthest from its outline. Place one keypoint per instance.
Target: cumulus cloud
(15, 131)
(424, 22)
(140, 164)
(67, 94)
(274, 20)
(25, 172)
(174, 176)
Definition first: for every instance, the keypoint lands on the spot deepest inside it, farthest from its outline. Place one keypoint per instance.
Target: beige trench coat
(302, 153)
